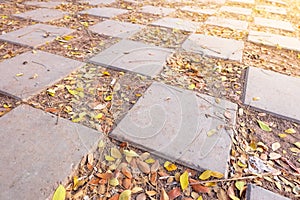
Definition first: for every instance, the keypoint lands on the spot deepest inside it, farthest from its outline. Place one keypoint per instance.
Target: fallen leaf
(192, 86)
(278, 185)
(231, 193)
(136, 190)
(19, 74)
(67, 37)
(60, 193)
(200, 198)
(100, 106)
(155, 166)
(51, 92)
(264, 126)
(256, 98)
(141, 196)
(297, 144)
(125, 195)
(108, 98)
(198, 187)
(174, 193)
(205, 175)
(106, 73)
(98, 116)
(115, 197)
(217, 174)
(282, 135)
(276, 146)
(163, 195)
(170, 166)
(151, 193)
(290, 131)
(114, 152)
(114, 182)
(211, 132)
(294, 150)
(184, 180)
(150, 161)
(127, 172)
(130, 153)
(126, 183)
(144, 167)
(274, 156)
(109, 158)
(240, 185)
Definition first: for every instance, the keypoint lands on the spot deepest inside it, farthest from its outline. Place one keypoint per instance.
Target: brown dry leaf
(276, 146)
(198, 187)
(144, 167)
(141, 196)
(174, 193)
(153, 178)
(231, 193)
(221, 194)
(274, 156)
(155, 166)
(163, 195)
(126, 172)
(126, 183)
(136, 190)
(151, 193)
(115, 153)
(94, 181)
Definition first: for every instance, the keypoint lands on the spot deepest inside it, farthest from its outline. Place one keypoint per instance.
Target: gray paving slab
(98, 2)
(272, 9)
(205, 11)
(172, 123)
(278, 2)
(177, 23)
(157, 10)
(269, 39)
(105, 12)
(215, 46)
(279, 94)
(116, 29)
(43, 4)
(284, 25)
(243, 1)
(42, 14)
(27, 74)
(255, 192)
(236, 10)
(35, 35)
(37, 153)
(133, 56)
(228, 23)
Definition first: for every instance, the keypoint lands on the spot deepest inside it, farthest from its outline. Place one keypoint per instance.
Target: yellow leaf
(241, 164)
(240, 185)
(20, 74)
(67, 37)
(60, 193)
(170, 166)
(298, 55)
(211, 132)
(234, 197)
(6, 105)
(86, 24)
(101, 144)
(108, 98)
(184, 180)
(256, 98)
(150, 161)
(130, 153)
(51, 92)
(192, 86)
(115, 153)
(200, 198)
(205, 175)
(109, 158)
(295, 150)
(114, 182)
(210, 184)
(98, 116)
(290, 131)
(278, 185)
(282, 135)
(125, 195)
(106, 73)
(217, 174)
(297, 144)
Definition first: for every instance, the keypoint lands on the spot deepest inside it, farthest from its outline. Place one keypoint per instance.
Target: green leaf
(115, 153)
(264, 126)
(125, 195)
(184, 180)
(240, 185)
(130, 153)
(60, 193)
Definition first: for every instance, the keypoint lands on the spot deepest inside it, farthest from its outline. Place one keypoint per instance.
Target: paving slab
(43, 4)
(37, 153)
(172, 123)
(279, 94)
(228, 23)
(269, 39)
(42, 14)
(157, 10)
(105, 12)
(133, 56)
(205, 11)
(27, 74)
(243, 1)
(255, 192)
(236, 10)
(35, 35)
(274, 23)
(177, 23)
(215, 46)
(98, 2)
(116, 29)
(272, 9)
(278, 2)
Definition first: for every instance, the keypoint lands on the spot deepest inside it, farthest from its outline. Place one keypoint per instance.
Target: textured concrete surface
(105, 12)
(284, 25)
(255, 192)
(227, 23)
(236, 10)
(42, 14)
(271, 9)
(157, 10)
(177, 23)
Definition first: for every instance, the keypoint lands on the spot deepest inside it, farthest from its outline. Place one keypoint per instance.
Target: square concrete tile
(193, 9)
(98, 2)
(177, 23)
(255, 192)
(236, 10)
(35, 35)
(269, 39)
(116, 28)
(105, 12)
(157, 10)
(278, 2)
(271, 9)
(42, 14)
(228, 23)
(133, 56)
(38, 71)
(279, 94)
(273, 23)
(172, 123)
(37, 153)
(243, 1)
(43, 4)
(215, 46)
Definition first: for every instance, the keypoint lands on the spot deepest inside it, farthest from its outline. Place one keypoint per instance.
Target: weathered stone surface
(157, 10)
(133, 56)
(98, 2)
(215, 46)
(172, 123)
(279, 94)
(43, 4)
(271, 9)
(236, 10)
(116, 28)
(35, 35)
(243, 1)
(42, 14)
(255, 192)
(177, 23)
(36, 72)
(105, 12)
(273, 23)
(37, 153)
(206, 11)
(278, 2)
(274, 40)
(228, 23)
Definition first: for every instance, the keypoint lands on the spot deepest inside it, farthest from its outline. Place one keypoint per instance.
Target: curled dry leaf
(141, 196)
(144, 156)
(151, 193)
(115, 153)
(153, 178)
(126, 183)
(126, 172)
(174, 193)
(155, 166)
(198, 187)
(274, 156)
(136, 190)
(163, 195)
(276, 146)
(144, 167)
